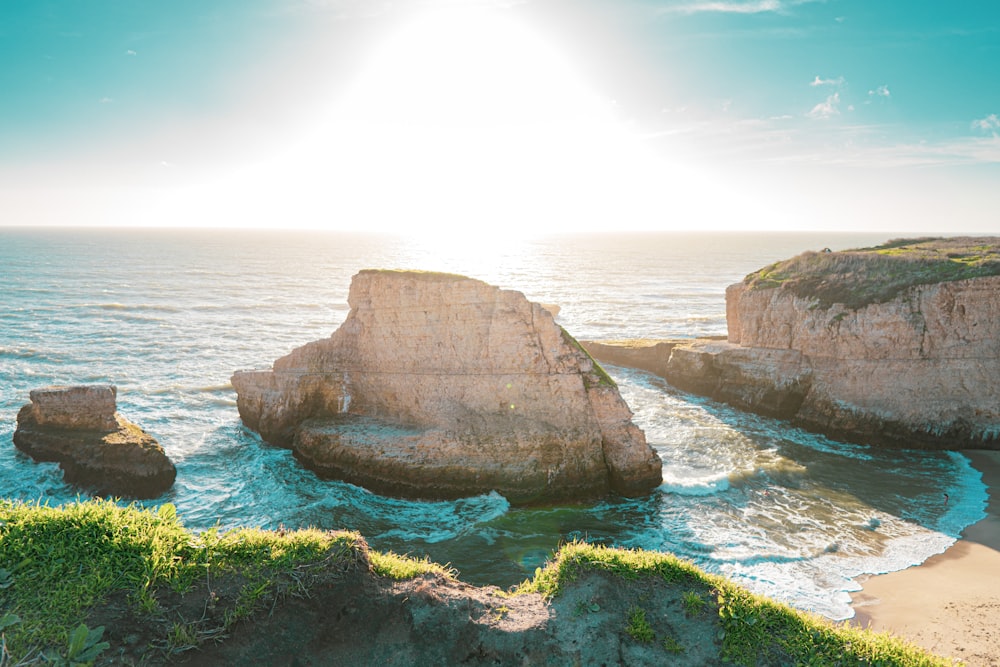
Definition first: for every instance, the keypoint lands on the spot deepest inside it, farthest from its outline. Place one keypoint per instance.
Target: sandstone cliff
(438, 385)
(94, 445)
(914, 366)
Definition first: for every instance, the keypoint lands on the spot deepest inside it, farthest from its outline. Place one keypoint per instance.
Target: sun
(468, 68)
(470, 118)
(464, 121)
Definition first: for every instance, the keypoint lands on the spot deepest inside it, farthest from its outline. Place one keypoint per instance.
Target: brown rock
(85, 408)
(438, 385)
(645, 354)
(921, 370)
(95, 446)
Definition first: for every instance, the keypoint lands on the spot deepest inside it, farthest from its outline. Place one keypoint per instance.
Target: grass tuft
(394, 566)
(693, 603)
(638, 627)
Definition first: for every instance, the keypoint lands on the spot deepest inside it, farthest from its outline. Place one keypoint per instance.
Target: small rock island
(895, 345)
(442, 386)
(96, 447)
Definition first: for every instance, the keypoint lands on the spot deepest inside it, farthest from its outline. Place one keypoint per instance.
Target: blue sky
(540, 115)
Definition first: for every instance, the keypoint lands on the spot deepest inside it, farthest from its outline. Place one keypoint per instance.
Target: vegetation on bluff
(863, 276)
(63, 571)
(754, 629)
(58, 564)
(419, 274)
(602, 375)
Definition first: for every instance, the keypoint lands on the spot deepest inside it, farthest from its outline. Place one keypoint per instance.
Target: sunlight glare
(469, 122)
(468, 119)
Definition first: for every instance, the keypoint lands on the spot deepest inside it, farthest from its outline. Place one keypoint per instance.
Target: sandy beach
(951, 603)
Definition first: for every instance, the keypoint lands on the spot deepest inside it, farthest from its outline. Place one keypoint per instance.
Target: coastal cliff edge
(897, 345)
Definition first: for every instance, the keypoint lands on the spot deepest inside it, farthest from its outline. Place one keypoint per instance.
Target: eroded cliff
(438, 385)
(911, 365)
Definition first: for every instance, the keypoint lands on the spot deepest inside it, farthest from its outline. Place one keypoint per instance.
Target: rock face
(86, 408)
(94, 445)
(921, 370)
(641, 353)
(440, 386)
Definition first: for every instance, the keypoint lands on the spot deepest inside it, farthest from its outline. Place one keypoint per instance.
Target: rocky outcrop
(643, 353)
(921, 370)
(440, 386)
(96, 447)
(896, 345)
(715, 368)
(82, 408)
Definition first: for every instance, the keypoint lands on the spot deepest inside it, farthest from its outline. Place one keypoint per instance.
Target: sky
(523, 116)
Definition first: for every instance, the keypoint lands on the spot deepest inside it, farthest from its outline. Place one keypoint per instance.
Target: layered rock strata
(441, 386)
(97, 448)
(920, 371)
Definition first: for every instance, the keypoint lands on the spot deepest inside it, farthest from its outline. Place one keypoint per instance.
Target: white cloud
(106, 100)
(734, 6)
(881, 91)
(839, 81)
(826, 109)
(130, 52)
(926, 154)
(800, 141)
(989, 124)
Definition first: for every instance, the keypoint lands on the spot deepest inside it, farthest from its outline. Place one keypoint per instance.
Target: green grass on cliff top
(59, 565)
(418, 274)
(863, 276)
(755, 630)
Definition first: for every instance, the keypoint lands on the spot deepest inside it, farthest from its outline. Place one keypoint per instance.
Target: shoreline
(950, 603)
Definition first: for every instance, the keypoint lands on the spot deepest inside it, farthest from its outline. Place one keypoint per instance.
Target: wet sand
(951, 603)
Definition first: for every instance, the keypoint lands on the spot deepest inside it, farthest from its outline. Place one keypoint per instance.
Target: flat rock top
(82, 407)
(429, 276)
(632, 343)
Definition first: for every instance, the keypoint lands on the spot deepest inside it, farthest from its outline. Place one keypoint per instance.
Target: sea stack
(442, 386)
(895, 345)
(97, 448)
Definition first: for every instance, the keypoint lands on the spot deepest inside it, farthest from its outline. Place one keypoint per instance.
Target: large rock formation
(441, 386)
(95, 446)
(919, 368)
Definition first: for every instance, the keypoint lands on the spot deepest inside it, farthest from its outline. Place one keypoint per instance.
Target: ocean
(168, 315)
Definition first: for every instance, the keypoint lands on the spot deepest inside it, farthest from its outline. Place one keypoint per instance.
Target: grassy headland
(753, 629)
(57, 565)
(859, 277)
(66, 573)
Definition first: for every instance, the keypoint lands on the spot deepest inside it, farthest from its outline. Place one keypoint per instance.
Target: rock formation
(94, 445)
(440, 386)
(917, 366)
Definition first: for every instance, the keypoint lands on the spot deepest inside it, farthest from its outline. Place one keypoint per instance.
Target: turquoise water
(167, 316)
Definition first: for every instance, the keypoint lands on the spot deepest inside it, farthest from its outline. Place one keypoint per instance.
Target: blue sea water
(168, 315)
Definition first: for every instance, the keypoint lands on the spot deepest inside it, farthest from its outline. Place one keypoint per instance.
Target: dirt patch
(352, 616)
